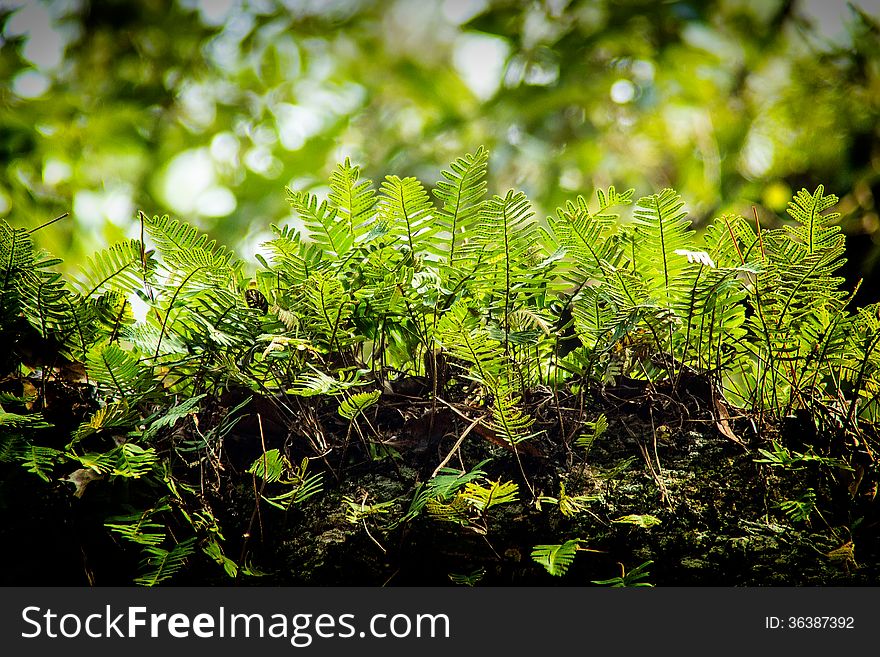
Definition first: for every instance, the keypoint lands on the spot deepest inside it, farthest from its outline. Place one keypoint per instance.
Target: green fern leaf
(292, 258)
(586, 237)
(354, 198)
(457, 511)
(816, 231)
(660, 229)
(140, 528)
(118, 268)
(461, 197)
(469, 579)
(557, 559)
(133, 461)
(357, 403)
(39, 460)
(160, 564)
(406, 208)
(330, 308)
(270, 466)
(483, 498)
(331, 233)
(120, 372)
(188, 254)
(171, 416)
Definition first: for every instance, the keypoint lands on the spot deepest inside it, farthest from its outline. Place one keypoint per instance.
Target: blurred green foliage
(207, 109)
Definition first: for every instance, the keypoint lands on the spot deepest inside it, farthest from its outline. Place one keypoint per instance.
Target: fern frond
(119, 372)
(508, 241)
(160, 564)
(354, 405)
(292, 258)
(140, 528)
(459, 331)
(660, 228)
(816, 231)
(319, 383)
(645, 521)
(302, 487)
(19, 422)
(115, 415)
(354, 198)
(46, 303)
(456, 511)
(330, 307)
(557, 559)
(270, 466)
(168, 418)
(39, 460)
(331, 233)
(483, 498)
(16, 258)
(184, 248)
(461, 198)
(586, 237)
(133, 461)
(469, 579)
(406, 208)
(508, 420)
(16, 252)
(119, 268)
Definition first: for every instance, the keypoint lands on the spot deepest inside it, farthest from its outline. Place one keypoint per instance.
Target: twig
(455, 447)
(48, 223)
(367, 529)
(257, 496)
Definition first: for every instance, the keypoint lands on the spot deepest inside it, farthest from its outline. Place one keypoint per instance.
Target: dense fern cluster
(383, 284)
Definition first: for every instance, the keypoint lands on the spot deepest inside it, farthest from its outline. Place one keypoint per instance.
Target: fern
(456, 511)
(508, 241)
(115, 415)
(800, 509)
(39, 460)
(133, 461)
(587, 238)
(270, 466)
(119, 372)
(160, 565)
(405, 207)
(16, 252)
(118, 268)
(459, 331)
(557, 559)
(469, 579)
(816, 233)
(631, 578)
(332, 234)
(508, 420)
(354, 198)
(330, 308)
(468, 298)
(461, 195)
(357, 403)
(292, 259)
(645, 521)
(316, 382)
(483, 498)
(184, 249)
(170, 417)
(442, 488)
(140, 528)
(660, 228)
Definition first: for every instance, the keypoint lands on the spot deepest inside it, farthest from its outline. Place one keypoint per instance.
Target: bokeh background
(207, 109)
